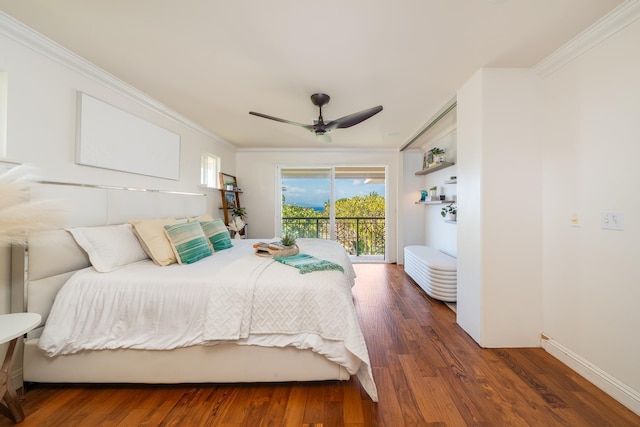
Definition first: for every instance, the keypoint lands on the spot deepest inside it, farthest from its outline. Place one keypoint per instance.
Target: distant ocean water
(314, 207)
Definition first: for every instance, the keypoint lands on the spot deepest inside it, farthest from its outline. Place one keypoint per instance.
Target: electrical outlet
(612, 221)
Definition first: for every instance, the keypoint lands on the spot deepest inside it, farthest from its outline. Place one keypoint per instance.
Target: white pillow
(110, 246)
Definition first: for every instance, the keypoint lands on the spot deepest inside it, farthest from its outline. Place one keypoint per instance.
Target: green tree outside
(360, 223)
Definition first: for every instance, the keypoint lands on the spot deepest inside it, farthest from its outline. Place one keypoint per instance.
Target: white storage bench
(433, 271)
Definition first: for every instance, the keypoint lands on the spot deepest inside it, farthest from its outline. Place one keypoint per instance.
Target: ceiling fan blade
(353, 119)
(308, 127)
(319, 127)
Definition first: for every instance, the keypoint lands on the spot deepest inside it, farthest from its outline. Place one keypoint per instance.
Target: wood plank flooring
(427, 369)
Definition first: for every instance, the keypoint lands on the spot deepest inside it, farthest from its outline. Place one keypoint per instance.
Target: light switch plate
(575, 219)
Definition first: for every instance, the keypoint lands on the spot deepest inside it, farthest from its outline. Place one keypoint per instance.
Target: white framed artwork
(110, 138)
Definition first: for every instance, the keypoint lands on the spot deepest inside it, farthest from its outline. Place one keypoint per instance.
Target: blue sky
(314, 192)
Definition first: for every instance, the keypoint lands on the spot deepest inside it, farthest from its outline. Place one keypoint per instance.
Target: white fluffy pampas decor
(236, 225)
(20, 215)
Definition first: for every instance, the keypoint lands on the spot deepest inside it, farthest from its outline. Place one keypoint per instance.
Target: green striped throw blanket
(307, 263)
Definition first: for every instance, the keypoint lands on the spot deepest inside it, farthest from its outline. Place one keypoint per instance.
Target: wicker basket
(287, 251)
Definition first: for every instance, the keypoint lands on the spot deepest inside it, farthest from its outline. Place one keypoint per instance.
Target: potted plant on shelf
(229, 185)
(239, 212)
(433, 193)
(449, 212)
(438, 155)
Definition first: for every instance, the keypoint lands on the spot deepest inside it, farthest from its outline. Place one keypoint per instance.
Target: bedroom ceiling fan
(319, 127)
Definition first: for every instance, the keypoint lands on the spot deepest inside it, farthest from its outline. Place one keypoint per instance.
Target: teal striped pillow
(217, 234)
(188, 242)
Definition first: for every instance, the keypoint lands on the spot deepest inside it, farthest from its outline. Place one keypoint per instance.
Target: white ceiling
(214, 61)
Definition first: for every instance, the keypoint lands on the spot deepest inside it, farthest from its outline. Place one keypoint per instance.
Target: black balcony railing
(358, 235)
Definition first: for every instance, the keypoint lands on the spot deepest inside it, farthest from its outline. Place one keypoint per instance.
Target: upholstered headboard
(41, 268)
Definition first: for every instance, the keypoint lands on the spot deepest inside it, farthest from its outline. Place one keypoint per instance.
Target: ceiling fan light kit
(319, 127)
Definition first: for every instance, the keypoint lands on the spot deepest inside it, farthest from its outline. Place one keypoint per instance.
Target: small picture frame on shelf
(228, 182)
(230, 198)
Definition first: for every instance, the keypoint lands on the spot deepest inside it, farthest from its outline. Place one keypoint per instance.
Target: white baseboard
(610, 385)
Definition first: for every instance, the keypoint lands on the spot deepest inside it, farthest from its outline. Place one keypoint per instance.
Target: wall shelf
(450, 222)
(451, 181)
(435, 168)
(435, 202)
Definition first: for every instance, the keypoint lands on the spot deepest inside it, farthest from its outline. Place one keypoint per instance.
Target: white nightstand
(12, 327)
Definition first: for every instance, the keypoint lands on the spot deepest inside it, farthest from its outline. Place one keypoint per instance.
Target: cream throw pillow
(205, 217)
(150, 233)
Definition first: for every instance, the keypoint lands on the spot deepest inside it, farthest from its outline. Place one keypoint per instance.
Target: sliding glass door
(346, 204)
(360, 210)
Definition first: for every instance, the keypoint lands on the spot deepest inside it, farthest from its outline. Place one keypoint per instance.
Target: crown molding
(605, 27)
(31, 39)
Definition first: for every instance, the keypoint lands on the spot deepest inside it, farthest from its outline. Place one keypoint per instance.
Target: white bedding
(232, 296)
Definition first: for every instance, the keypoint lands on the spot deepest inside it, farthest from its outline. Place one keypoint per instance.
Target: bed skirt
(224, 363)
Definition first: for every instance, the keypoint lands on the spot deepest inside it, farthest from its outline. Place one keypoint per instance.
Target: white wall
(411, 217)
(499, 209)
(469, 215)
(591, 146)
(439, 234)
(256, 171)
(41, 126)
(422, 224)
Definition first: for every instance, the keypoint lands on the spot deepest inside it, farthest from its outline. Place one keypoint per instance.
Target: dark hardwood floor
(429, 372)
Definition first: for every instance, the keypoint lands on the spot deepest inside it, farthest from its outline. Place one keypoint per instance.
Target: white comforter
(233, 296)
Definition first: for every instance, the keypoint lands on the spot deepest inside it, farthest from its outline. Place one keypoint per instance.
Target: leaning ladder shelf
(226, 208)
(230, 199)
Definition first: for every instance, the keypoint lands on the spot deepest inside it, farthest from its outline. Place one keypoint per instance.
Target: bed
(228, 317)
